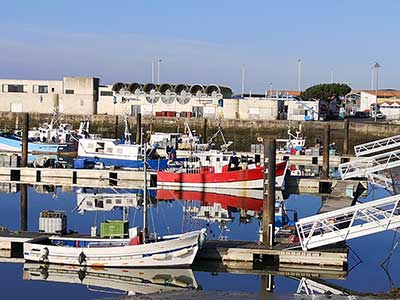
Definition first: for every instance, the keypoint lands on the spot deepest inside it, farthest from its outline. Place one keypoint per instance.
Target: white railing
(361, 167)
(348, 223)
(381, 180)
(312, 287)
(377, 146)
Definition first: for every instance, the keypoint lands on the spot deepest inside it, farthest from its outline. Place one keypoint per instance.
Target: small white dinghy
(176, 250)
(137, 251)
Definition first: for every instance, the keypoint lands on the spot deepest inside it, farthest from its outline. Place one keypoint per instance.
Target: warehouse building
(85, 95)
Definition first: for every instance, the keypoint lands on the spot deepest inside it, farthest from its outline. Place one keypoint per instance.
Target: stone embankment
(241, 132)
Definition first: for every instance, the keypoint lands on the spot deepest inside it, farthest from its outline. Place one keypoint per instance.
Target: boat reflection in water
(217, 206)
(97, 200)
(128, 281)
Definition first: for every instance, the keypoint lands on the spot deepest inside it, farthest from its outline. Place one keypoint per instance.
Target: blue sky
(203, 41)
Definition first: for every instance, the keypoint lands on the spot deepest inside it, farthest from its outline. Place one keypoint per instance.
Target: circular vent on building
(183, 98)
(168, 99)
(153, 97)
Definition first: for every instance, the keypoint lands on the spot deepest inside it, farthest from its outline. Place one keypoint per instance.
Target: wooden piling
(25, 128)
(116, 128)
(325, 161)
(346, 137)
(269, 199)
(24, 207)
(205, 131)
(139, 128)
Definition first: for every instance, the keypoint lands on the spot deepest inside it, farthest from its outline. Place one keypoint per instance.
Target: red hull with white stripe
(209, 198)
(242, 179)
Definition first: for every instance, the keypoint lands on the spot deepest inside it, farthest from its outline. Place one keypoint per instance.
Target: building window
(106, 93)
(40, 89)
(14, 88)
(69, 92)
(52, 90)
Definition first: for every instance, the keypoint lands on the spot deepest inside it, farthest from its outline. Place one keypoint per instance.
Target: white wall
(30, 100)
(366, 100)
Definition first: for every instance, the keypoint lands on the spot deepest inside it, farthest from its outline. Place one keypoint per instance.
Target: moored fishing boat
(139, 250)
(117, 153)
(13, 143)
(217, 169)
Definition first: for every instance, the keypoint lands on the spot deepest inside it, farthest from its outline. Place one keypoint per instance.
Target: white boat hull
(179, 251)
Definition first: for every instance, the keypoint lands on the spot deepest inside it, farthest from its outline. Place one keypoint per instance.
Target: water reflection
(238, 210)
(109, 280)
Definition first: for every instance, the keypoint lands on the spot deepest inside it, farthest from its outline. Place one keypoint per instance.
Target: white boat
(51, 133)
(294, 142)
(139, 250)
(117, 153)
(126, 280)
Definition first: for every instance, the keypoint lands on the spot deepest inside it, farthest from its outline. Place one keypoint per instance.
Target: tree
(325, 91)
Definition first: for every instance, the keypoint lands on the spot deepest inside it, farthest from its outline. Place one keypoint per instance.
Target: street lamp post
(158, 70)
(299, 75)
(270, 90)
(152, 72)
(376, 67)
(243, 73)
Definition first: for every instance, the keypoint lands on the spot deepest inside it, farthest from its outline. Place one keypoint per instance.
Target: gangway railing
(377, 146)
(348, 223)
(312, 287)
(362, 167)
(381, 180)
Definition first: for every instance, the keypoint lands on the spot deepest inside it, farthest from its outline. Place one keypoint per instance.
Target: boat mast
(127, 133)
(144, 188)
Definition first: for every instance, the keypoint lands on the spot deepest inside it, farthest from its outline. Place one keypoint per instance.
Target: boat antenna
(144, 188)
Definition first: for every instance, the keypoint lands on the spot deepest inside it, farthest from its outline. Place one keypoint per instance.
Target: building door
(135, 110)
(197, 111)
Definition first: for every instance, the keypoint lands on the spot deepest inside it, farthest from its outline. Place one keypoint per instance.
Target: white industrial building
(72, 95)
(85, 95)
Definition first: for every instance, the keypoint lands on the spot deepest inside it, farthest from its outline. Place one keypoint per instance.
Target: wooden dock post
(346, 137)
(139, 128)
(25, 128)
(205, 131)
(269, 199)
(24, 207)
(325, 161)
(116, 128)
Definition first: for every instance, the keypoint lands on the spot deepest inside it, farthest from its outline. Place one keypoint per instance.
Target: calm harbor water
(173, 217)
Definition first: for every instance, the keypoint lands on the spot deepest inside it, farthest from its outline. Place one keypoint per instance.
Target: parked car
(380, 115)
(361, 114)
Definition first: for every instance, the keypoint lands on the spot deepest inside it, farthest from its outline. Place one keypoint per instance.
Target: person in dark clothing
(233, 162)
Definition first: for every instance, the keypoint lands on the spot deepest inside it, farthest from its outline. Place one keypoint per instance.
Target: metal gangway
(377, 146)
(349, 223)
(363, 166)
(308, 286)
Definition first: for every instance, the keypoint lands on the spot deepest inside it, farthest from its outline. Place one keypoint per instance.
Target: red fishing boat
(218, 170)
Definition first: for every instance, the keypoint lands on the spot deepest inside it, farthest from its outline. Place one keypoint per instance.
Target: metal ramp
(348, 223)
(312, 287)
(362, 167)
(377, 146)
